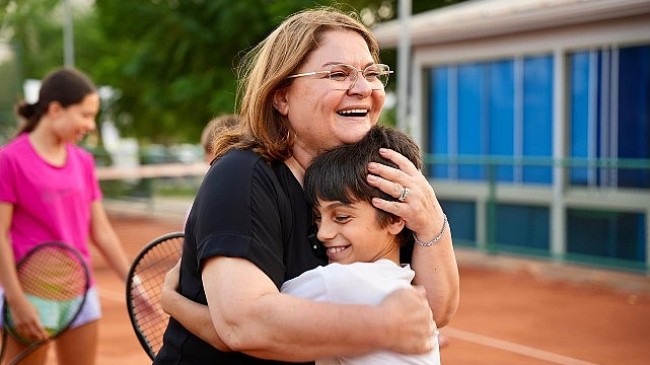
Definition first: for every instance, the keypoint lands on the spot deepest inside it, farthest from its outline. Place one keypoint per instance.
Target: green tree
(171, 61)
(174, 60)
(33, 31)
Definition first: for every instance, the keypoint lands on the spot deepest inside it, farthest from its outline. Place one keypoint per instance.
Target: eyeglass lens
(376, 76)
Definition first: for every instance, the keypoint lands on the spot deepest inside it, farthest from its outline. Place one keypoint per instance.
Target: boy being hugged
(362, 243)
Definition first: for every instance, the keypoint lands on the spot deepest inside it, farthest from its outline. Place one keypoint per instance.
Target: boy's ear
(280, 102)
(396, 225)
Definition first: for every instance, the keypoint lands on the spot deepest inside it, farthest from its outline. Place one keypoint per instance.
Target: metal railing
(561, 192)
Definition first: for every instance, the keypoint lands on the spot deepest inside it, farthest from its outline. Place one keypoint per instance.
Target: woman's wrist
(436, 238)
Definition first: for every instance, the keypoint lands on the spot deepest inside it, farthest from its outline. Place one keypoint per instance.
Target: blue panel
(606, 234)
(462, 220)
(579, 120)
(538, 115)
(501, 114)
(523, 226)
(470, 101)
(440, 118)
(634, 113)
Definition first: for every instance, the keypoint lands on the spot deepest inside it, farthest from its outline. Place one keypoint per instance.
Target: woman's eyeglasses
(346, 75)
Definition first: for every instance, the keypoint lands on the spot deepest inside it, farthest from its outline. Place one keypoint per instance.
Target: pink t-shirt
(50, 203)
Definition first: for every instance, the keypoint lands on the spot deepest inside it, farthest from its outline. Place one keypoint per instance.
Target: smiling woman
(301, 95)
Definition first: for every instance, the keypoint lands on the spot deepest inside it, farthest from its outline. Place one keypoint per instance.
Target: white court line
(513, 347)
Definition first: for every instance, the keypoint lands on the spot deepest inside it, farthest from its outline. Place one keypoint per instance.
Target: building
(535, 116)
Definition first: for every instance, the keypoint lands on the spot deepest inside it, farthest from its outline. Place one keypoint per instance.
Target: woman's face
(322, 116)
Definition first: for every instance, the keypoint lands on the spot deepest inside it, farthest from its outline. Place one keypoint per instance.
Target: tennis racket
(143, 287)
(55, 279)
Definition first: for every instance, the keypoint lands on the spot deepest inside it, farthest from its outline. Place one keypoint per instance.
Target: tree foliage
(174, 60)
(171, 62)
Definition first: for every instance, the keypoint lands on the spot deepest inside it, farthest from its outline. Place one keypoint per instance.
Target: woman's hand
(420, 208)
(434, 262)
(413, 327)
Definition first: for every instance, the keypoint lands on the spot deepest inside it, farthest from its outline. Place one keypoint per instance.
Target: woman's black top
(244, 208)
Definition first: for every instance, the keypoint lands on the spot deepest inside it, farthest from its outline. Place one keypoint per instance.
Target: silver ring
(404, 194)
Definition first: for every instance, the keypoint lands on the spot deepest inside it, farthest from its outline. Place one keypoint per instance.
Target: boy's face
(351, 233)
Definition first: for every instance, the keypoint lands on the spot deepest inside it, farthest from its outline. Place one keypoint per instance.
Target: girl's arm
(24, 314)
(105, 239)
(435, 266)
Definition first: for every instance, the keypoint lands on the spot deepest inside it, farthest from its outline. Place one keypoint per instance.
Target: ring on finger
(403, 194)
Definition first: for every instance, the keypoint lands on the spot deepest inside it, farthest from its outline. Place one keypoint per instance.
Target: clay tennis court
(512, 312)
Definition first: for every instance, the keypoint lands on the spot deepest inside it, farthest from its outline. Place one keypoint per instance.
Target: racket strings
(146, 286)
(53, 273)
(55, 280)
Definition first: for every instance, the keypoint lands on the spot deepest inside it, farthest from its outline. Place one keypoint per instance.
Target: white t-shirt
(359, 283)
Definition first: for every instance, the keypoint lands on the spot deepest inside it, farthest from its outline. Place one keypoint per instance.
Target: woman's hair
(340, 173)
(264, 71)
(66, 86)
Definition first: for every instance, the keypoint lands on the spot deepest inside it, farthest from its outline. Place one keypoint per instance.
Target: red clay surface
(505, 317)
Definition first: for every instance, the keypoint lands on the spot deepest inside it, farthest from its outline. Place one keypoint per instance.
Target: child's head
(212, 129)
(64, 86)
(339, 175)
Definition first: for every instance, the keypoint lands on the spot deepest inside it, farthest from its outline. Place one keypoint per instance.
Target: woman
(49, 192)
(248, 230)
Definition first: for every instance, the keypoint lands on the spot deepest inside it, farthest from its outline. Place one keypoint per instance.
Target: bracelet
(435, 239)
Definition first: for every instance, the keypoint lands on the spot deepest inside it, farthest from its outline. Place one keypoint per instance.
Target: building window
(501, 109)
(522, 228)
(606, 234)
(462, 219)
(609, 115)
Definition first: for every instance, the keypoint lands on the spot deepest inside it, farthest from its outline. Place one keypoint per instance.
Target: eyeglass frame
(356, 74)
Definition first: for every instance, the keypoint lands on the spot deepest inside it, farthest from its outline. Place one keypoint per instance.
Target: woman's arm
(435, 266)
(277, 326)
(105, 239)
(252, 316)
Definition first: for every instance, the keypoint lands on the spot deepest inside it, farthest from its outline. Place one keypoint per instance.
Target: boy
(215, 127)
(362, 243)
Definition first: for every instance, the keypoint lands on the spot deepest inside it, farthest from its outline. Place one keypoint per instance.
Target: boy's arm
(193, 316)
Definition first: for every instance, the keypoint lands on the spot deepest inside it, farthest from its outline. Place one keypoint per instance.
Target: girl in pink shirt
(49, 192)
